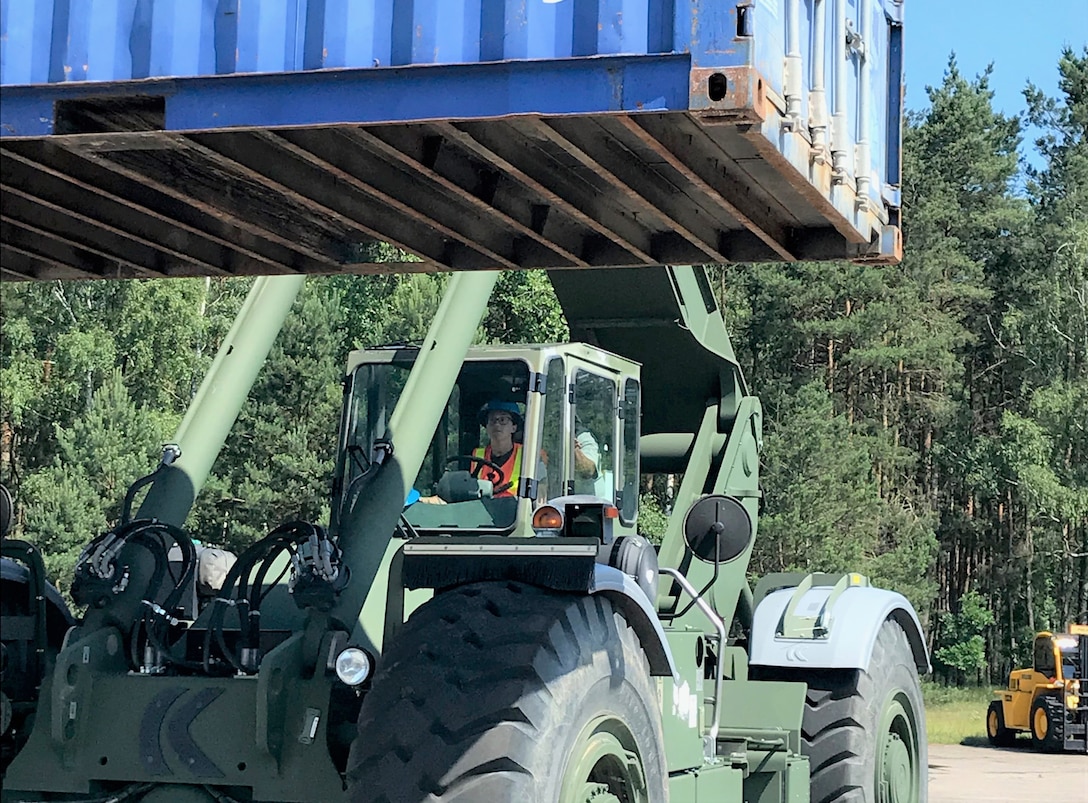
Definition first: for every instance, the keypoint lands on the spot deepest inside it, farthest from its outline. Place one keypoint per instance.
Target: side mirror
(717, 528)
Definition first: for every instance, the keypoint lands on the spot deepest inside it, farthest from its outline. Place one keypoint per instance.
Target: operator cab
(575, 412)
(1059, 651)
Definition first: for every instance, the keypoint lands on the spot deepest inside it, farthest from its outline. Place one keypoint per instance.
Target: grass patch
(956, 715)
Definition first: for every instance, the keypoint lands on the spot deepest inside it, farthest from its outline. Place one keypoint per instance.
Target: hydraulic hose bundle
(100, 575)
(317, 576)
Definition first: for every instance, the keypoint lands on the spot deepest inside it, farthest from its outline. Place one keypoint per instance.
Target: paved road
(961, 774)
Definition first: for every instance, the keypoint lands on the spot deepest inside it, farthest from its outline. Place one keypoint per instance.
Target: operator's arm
(586, 453)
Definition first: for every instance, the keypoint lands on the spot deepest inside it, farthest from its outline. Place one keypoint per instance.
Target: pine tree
(100, 454)
(277, 463)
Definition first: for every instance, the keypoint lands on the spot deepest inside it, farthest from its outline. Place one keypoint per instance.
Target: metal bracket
(527, 487)
(855, 43)
(710, 744)
(815, 627)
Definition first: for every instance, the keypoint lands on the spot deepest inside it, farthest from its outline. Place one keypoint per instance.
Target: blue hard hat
(500, 406)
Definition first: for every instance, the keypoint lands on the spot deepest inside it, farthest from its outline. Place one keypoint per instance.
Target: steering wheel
(483, 461)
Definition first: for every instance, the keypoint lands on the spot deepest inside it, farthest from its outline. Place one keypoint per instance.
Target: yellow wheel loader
(1044, 700)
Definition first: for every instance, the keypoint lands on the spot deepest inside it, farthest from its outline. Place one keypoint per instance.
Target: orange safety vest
(511, 471)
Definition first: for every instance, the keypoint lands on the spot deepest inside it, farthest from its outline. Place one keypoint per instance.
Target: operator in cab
(501, 420)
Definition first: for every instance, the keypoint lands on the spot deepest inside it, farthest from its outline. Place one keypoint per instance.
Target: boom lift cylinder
(204, 430)
(367, 526)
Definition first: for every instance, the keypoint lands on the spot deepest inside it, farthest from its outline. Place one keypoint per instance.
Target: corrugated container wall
(825, 88)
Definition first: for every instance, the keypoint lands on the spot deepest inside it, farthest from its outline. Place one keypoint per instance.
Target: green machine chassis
(499, 675)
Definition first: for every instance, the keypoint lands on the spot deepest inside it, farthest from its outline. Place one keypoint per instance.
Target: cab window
(551, 442)
(1044, 656)
(628, 498)
(1069, 649)
(592, 467)
(446, 494)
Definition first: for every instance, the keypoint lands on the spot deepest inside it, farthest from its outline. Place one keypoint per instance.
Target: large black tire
(996, 732)
(864, 732)
(1048, 724)
(497, 692)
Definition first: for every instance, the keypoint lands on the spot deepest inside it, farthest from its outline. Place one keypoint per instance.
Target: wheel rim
(991, 723)
(898, 756)
(605, 766)
(1042, 724)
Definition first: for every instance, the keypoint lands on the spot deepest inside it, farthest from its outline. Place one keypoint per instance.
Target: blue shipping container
(512, 133)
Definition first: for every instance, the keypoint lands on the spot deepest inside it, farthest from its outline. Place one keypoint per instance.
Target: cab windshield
(472, 472)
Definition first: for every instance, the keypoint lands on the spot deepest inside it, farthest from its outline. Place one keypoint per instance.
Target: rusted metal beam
(603, 146)
(372, 140)
(11, 274)
(511, 145)
(281, 206)
(719, 182)
(31, 267)
(29, 212)
(773, 159)
(580, 224)
(392, 268)
(232, 203)
(607, 170)
(255, 251)
(74, 255)
(64, 195)
(409, 227)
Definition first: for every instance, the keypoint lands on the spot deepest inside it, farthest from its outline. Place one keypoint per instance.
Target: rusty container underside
(322, 172)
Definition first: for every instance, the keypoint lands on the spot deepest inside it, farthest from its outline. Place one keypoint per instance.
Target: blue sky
(1023, 40)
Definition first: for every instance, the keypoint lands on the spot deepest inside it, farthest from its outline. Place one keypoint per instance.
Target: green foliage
(366, 304)
(963, 656)
(906, 551)
(100, 454)
(652, 519)
(20, 372)
(415, 299)
(63, 511)
(277, 463)
(912, 430)
(524, 309)
(822, 509)
(961, 646)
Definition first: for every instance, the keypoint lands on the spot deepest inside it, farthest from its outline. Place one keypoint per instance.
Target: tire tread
(834, 732)
(460, 703)
(1055, 734)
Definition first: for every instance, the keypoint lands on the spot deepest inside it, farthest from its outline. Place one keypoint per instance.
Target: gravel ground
(961, 774)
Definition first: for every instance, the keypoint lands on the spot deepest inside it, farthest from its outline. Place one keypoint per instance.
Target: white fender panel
(856, 619)
(630, 600)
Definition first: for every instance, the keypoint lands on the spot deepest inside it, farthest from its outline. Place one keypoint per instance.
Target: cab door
(593, 399)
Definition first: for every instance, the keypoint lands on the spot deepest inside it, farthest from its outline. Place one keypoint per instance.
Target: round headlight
(353, 666)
